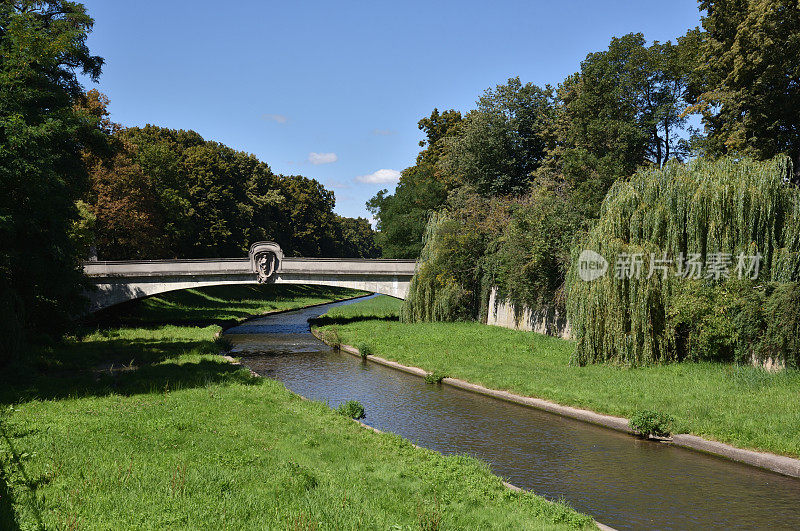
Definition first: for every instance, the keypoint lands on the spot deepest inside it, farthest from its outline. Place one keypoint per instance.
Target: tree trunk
(796, 179)
(658, 147)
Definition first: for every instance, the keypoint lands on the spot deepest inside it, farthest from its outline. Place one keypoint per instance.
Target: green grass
(743, 406)
(131, 427)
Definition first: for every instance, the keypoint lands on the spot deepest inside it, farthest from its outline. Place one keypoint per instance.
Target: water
(622, 481)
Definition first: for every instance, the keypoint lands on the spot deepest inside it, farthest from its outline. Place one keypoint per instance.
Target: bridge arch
(120, 281)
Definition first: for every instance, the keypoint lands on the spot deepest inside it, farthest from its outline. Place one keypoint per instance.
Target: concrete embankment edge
(786, 466)
(422, 373)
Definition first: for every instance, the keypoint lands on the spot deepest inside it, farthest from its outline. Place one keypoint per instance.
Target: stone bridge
(121, 281)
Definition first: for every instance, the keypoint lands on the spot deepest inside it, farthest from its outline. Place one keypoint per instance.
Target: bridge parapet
(119, 281)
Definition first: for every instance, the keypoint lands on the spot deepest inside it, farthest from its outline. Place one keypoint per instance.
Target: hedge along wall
(729, 206)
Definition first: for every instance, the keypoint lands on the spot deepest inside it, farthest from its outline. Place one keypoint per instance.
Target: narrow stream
(621, 481)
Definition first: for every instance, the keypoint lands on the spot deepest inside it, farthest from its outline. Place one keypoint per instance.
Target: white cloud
(380, 177)
(280, 118)
(322, 158)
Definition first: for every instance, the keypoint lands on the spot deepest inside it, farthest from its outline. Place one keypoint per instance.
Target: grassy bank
(743, 406)
(131, 426)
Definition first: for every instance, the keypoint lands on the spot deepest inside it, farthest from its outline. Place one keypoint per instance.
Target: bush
(701, 320)
(331, 337)
(647, 423)
(434, 377)
(352, 409)
(452, 278)
(781, 339)
(518, 244)
(533, 253)
(365, 349)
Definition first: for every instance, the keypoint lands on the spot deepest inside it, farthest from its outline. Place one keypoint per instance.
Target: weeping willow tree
(446, 285)
(455, 269)
(705, 210)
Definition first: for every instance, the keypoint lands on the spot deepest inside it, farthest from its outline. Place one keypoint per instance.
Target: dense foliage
(747, 83)
(501, 143)
(454, 276)
(558, 162)
(72, 180)
(623, 109)
(42, 49)
(173, 194)
(520, 246)
(702, 212)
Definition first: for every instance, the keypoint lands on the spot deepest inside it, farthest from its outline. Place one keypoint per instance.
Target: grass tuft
(351, 409)
(365, 349)
(435, 377)
(647, 423)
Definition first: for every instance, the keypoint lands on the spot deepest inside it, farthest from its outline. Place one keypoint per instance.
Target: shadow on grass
(126, 367)
(327, 320)
(7, 517)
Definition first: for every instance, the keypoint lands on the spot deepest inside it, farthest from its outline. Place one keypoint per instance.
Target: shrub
(647, 423)
(518, 244)
(781, 339)
(434, 377)
(352, 409)
(365, 349)
(450, 283)
(533, 253)
(701, 320)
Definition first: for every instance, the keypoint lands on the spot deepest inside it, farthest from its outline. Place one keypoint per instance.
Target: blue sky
(334, 91)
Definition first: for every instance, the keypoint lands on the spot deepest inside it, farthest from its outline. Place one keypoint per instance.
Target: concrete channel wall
(544, 321)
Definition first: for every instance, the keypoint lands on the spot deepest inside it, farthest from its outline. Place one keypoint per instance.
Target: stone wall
(544, 321)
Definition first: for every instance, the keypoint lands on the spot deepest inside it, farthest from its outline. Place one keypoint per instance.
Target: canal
(620, 480)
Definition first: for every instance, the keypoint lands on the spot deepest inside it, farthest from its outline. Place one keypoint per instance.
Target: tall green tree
(308, 217)
(354, 238)
(625, 108)
(747, 84)
(172, 194)
(42, 50)
(164, 193)
(503, 141)
(422, 189)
